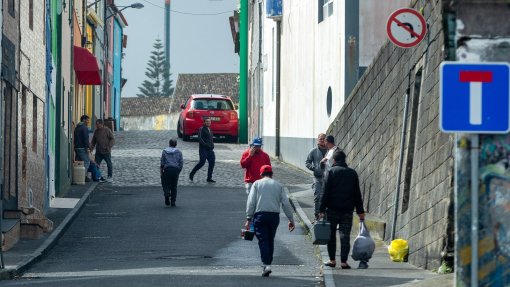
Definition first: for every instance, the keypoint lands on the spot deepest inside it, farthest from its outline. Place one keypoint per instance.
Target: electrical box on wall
(274, 9)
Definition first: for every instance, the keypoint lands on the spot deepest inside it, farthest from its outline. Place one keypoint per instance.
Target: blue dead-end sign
(474, 97)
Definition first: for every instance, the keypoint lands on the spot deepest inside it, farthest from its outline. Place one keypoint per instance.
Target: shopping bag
(398, 250)
(321, 232)
(364, 246)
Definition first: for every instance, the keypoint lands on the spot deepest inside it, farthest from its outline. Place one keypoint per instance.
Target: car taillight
(189, 115)
(233, 115)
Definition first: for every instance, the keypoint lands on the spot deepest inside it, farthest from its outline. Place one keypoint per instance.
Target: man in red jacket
(252, 159)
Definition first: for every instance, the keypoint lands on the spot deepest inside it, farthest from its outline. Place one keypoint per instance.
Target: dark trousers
(108, 158)
(205, 155)
(169, 180)
(344, 223)
(265, 224)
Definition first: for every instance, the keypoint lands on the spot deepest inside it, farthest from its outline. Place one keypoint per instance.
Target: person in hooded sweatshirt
(171, 166)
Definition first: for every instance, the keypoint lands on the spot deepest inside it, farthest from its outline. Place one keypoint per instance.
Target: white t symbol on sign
(475, 80)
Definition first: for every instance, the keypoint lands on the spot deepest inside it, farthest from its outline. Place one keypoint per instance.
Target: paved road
(126, 236)
(136, 162)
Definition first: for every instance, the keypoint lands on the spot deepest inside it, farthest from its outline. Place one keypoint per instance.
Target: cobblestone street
(136, 156)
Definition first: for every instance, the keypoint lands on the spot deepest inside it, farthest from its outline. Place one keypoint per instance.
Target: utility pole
(243, 73)
(167, 31)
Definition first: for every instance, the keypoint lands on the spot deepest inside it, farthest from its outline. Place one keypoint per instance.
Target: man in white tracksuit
(263, 208)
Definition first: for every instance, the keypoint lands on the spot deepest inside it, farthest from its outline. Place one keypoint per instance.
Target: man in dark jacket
(313, 163)
(171, 166)
(81, 142)
(103, 140)
(341, 195)
(205, 151)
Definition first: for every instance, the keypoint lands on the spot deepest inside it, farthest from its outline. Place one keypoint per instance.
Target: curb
(50, 242)
(327, 273)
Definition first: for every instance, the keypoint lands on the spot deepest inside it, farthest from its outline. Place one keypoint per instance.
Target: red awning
(85, 66)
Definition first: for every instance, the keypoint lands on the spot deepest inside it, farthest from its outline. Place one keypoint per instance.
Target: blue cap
(257, 142)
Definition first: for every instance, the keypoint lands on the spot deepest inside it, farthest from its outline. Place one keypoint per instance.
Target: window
(12, 7)
(319, 10)
(31, 14)
(328, 7)
(212, 104)
(325, 9)
(329, 101)
(35, 123)
(408, 173)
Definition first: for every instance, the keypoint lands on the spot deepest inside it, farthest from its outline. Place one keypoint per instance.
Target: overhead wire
(187, 13)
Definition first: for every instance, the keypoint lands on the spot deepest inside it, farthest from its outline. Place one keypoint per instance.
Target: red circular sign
(406, 27)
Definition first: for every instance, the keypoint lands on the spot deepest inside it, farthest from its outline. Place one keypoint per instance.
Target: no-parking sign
(406, 27)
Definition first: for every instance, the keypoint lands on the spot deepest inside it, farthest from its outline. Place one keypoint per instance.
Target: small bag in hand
(321, 232)
(248, 234)
(364, 246)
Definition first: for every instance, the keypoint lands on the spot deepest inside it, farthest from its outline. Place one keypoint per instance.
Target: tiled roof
(218, 83)
(145, 106)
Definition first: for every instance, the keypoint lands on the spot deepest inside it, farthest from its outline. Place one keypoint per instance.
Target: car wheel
(179, 133)
(185, 138)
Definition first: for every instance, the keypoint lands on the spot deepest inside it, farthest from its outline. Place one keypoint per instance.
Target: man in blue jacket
(171, 166)
(81, 142)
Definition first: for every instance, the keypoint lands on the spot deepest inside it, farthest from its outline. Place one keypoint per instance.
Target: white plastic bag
(364, 245)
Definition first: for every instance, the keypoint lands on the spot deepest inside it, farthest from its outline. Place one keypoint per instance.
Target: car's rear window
(212, 104)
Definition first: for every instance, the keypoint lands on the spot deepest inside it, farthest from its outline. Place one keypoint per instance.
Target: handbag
(321, 232)
(363, 246)
(247, 234)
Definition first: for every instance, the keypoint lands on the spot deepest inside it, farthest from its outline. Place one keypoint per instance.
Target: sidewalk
(382, 271)
(62, 212)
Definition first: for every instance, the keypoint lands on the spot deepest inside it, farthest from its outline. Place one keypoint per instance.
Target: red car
(218, 108)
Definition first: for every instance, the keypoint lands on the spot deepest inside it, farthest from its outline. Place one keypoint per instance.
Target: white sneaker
(109, 179)
(266, 271)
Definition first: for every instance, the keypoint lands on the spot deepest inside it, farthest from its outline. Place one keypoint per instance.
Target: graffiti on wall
(494, 211)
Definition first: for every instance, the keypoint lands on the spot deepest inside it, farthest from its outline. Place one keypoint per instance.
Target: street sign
(406, 27)
(474, 97)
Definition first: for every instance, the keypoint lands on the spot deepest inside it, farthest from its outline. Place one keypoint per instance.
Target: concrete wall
(149, 123)
(369, 128)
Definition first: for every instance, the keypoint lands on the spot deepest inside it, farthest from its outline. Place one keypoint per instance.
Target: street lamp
(134, 5)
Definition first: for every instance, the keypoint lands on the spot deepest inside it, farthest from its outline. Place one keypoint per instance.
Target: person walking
(263, 208)
(313, 163)
(205, 151)
(252, 159)
(81, 143)
(170, 168)
(327, 161)
(103, 141)
(341, 196)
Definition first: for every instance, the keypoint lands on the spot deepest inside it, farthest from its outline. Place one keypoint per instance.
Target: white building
(324, 47)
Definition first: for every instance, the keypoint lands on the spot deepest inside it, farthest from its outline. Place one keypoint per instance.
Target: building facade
(50, 77)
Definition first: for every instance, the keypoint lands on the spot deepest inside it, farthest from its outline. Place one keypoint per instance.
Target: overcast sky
(198, 43)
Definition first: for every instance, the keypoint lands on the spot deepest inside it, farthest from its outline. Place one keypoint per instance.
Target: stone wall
(149, 123)
(32, 190)
(369, 129)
